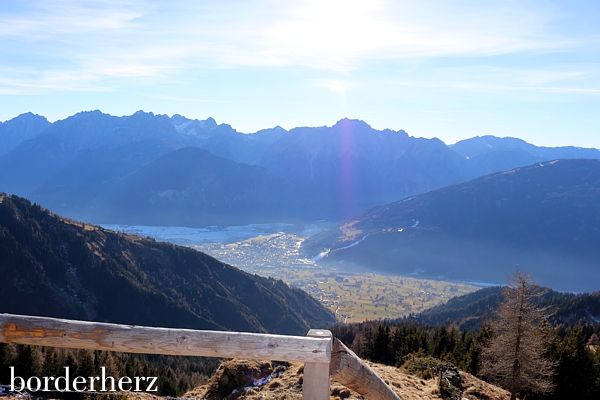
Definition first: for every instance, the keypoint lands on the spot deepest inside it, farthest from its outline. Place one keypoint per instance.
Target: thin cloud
(440, 111)
(163, 41)
(336, 87)
(572, 90)
(566, 78)
(496, 88)
(186, 99)
(20, 87)
(50, 19)
(344, 35)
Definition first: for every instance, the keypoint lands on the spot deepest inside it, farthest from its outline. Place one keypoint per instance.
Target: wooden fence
(324, 357)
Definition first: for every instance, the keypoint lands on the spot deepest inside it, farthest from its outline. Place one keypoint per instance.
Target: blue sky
(447, 69)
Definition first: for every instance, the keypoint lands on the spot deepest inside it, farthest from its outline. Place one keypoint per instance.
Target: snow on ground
(320, 256)
(325, 253)
(352, 245)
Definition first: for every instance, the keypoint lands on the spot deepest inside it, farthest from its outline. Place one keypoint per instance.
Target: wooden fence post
(352, 372)
(316, 384)
(322, 355)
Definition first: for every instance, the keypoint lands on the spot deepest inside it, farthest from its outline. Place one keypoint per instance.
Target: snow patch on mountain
(181, 128)
(192, 127)
(321, 255)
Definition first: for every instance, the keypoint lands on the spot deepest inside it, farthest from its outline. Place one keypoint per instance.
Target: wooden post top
(320, 333)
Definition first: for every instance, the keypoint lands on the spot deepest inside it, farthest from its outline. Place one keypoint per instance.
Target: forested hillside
(458, 331)
(56, 267)
(474, 309)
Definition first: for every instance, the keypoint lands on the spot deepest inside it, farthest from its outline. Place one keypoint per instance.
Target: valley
(477, 208)
(353, 295)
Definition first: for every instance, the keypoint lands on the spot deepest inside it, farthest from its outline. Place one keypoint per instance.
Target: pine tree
(112, 368)
(71, 362)
(86, 364)
(577, 372)
(597, 383)
(442, 342)
(166, 384)
(6, 360)
(461, 350)
(381, 343)
(50, 366)
(515, 356)
(28, 362)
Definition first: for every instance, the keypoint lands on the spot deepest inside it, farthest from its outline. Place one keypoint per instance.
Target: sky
(448, 69)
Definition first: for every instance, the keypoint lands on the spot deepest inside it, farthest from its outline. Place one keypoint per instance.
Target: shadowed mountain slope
(35, 162)
(74, 165)
(489, 154)
(338, 170)
(25, 126)
(56, 267)
(545, 218)
(192, 187)
(81, 188)
(352, 166)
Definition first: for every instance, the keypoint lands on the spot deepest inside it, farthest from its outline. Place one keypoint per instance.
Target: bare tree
(514, 357)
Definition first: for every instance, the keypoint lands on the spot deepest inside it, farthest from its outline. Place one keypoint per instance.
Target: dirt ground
(241, 379)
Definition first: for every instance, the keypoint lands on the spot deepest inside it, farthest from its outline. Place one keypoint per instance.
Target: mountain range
(84, 167)
(52, 266)
(545, 218)
(442, 216)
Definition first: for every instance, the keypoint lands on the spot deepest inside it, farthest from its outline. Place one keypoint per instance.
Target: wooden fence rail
(314, 349)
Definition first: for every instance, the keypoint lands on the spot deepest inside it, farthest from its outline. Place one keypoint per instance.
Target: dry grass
(349, 231)
(288, 385)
